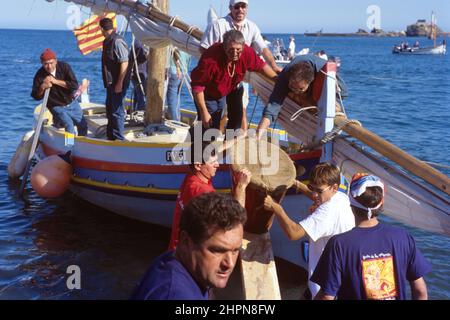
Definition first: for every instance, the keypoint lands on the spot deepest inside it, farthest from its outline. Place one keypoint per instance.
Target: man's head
(204, 161)
(107, 26)
(366, 195)
(300, 75)
(233, 44)
(238, 9)
(211, 231)
(48, 60)
(324, 181)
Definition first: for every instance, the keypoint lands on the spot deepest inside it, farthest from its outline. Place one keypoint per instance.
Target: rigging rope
(338, 90)
(300, 111)
(136, 67)
(331, 135)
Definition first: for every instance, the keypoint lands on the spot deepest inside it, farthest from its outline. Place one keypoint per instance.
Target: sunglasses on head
(316, 190)
(240, 5)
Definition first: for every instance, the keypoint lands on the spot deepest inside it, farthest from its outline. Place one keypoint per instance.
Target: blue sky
(286, 16)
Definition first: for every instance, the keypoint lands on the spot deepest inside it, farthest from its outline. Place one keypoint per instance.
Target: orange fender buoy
(50, 178)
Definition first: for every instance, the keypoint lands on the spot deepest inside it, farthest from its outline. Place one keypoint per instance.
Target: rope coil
(300, 111)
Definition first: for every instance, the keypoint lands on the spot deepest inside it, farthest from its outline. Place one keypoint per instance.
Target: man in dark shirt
(219, 73)
(138, 69)
(297, 77)
(211, 232)
(59, 76)
(114, 72)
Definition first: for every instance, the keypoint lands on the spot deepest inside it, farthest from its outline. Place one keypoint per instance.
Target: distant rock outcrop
(420, 29)
(377, 31)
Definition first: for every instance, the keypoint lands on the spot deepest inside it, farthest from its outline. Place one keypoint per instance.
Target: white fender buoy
(16, 166)
(50, 177)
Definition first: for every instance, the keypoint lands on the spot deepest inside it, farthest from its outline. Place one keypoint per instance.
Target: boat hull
(438, 50)
(139, 181)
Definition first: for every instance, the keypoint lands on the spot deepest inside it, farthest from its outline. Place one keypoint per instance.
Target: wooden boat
(139, 178)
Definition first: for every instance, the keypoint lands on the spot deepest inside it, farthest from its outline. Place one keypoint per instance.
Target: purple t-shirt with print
(370, 263)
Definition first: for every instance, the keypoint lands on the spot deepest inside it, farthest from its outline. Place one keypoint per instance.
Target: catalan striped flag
(89, 35)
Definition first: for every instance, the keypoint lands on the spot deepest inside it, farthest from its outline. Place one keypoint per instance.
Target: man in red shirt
(199, 181)
(219, 72)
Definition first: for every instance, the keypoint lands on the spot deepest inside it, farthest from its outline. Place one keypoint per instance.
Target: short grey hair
(233, 36)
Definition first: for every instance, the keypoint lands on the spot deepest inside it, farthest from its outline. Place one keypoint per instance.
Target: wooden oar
(35, 141)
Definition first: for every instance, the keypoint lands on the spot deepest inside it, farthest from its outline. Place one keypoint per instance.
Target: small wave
(22, 61)
(380, 78)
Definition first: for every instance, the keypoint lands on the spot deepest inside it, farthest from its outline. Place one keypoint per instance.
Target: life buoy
(50, 177)
(18, 163)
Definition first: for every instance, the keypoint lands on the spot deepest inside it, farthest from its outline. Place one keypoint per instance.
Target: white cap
(233, 2)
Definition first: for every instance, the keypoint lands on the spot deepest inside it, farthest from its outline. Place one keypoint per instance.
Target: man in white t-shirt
(291, 50)
(237, 19)
(331, 215)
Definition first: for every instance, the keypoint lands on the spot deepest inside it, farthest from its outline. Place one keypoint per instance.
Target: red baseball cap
(47, 54)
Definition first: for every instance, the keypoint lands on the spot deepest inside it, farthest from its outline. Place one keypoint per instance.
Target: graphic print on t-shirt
(379, 277)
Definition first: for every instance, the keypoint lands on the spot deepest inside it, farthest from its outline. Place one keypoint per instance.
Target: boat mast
(433, 31)
(156, 69)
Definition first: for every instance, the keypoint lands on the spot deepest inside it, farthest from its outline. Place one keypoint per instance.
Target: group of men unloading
(352, 255)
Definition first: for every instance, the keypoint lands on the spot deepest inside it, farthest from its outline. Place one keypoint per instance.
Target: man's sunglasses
(240, 5)
(318, 191)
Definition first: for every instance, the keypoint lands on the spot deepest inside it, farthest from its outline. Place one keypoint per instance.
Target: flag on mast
(89, 35)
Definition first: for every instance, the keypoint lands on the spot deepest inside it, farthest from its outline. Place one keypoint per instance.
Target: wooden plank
(258, 270)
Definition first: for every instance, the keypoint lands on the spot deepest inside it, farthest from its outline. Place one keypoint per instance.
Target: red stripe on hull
(85, 163)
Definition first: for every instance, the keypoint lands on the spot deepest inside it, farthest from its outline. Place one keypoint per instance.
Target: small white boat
(417, 50)
(398, 49)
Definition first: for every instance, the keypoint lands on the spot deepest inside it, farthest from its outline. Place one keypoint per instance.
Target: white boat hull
(438, 50)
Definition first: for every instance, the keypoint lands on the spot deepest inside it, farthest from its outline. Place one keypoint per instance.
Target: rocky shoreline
(419, 29)
(356, 34)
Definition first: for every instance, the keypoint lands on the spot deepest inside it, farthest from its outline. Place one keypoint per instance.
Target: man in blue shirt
(211, 231)
(297, 77)
(374, 260)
